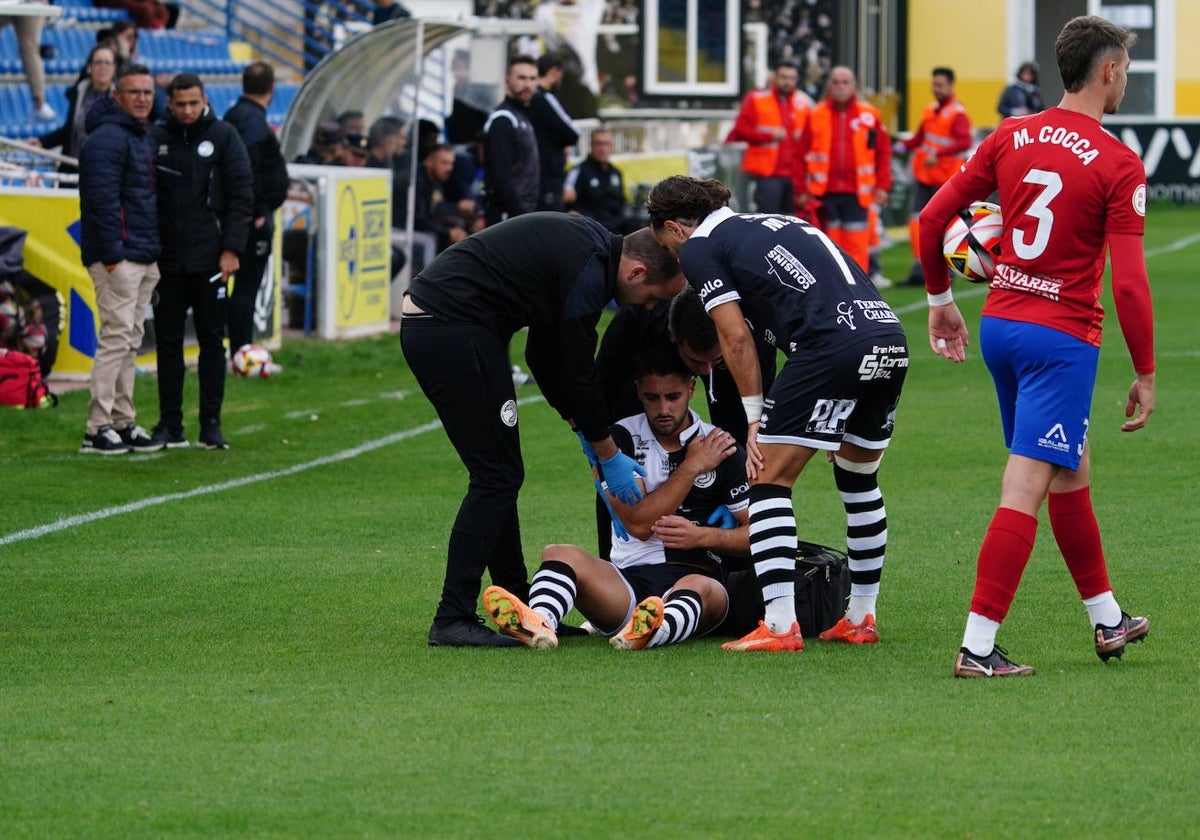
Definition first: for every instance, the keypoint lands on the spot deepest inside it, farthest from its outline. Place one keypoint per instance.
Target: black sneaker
(170, 438)
(468, 632)
(211, 438)
(995, 664)
(135, 438)
(1111, 641)
(106, 441)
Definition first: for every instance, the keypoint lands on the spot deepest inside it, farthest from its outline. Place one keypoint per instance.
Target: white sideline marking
(974, 291)
(132, 507)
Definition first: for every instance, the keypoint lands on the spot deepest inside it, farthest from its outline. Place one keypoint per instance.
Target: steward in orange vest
(848, 155)
(771, 122)
(940, 143)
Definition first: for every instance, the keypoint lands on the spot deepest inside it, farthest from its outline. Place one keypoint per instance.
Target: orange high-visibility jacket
(820, 127)
(937, 123)
(761, 111)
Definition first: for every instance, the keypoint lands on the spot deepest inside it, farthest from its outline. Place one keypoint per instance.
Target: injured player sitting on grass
(662, 582)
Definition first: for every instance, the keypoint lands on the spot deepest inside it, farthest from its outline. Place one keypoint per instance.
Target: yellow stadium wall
(1187, 60)
(938, 37)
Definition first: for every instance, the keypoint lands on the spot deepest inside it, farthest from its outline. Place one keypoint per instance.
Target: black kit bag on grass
(822, 591)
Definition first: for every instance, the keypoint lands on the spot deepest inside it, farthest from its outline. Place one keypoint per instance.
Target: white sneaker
(881, 282)
(43, 114)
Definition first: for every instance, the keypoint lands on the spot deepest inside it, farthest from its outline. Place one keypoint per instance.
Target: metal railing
(294, 35)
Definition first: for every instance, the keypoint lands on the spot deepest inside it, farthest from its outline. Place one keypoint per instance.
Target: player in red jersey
(1067, 190)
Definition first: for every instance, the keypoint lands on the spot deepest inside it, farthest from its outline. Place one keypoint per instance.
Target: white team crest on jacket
(205, 149)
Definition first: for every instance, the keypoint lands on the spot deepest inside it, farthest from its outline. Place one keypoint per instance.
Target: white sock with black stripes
(773, 549)
(866, 532)
(552, 591)
(681, 616)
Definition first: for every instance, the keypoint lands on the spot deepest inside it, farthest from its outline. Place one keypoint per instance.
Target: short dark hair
(346, 116)
(657, 356)
(689, 323)
(383, 129)
(131, 70)
(547, 62)
(125, 25)
(258, 78)
(661, 265)
(1083, 43)
(521, 58)
(787, 63)
(184, 81)
(944, 71)
(435, 148)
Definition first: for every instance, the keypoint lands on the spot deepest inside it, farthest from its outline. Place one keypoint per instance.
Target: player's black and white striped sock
(866, 533)
(552, 591)
(773, 549)
(681, 616)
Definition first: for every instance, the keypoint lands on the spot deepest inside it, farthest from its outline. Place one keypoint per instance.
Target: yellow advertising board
(50, 218)
(348, 214)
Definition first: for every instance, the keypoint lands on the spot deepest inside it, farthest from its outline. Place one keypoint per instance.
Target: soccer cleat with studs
(1111, 641)
(517, 620)
(863, 633)
(647, 618)
(995, 664)
(761, 638)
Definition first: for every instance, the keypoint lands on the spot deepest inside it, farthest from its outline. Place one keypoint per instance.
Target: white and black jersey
(551, 272)
(789, 279)
(726, 485)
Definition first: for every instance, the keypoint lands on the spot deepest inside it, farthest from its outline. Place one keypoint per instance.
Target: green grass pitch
(233, 644)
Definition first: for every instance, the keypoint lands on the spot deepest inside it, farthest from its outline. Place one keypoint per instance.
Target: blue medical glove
(723, 518)
(587, 449)
(620, 474)
(618, 526)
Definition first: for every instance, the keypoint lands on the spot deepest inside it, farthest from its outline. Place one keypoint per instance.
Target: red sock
(1078, 538)
(1002, 559)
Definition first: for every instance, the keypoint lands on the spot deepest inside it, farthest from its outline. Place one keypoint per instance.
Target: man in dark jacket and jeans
(119, 245)
(205, 201)
(249, 116)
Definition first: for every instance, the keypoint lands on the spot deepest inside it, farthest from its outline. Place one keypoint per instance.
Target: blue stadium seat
(203, 53)
(10, 56)
(84, 12)
(16, 103)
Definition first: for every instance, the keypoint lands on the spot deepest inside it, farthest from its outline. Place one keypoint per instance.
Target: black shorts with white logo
(821, 400)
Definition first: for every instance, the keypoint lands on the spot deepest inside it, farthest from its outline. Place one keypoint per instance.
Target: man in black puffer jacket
(205, 202)
(249, 116)
(119, 245)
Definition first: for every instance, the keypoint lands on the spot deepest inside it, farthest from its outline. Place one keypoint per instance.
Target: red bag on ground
(21, 382)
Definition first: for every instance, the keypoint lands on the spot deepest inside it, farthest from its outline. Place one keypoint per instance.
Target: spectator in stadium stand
(1022, 97)
(119, 245)
(938, 148)
(595, 187)
(98, 78)
(555, 132)
(352, 123)
(29, 44)
(437, 222)
(358, 149)
(386, 10)
(771, 121)
(511, 167)
(1066, 204)
(148, 14)
(326, 147)
(847, 156)
(249, 116)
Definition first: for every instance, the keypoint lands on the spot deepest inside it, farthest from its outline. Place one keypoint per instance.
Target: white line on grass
(132, 507)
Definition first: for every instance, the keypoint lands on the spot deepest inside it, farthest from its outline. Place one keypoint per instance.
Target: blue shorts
(1044, 382)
